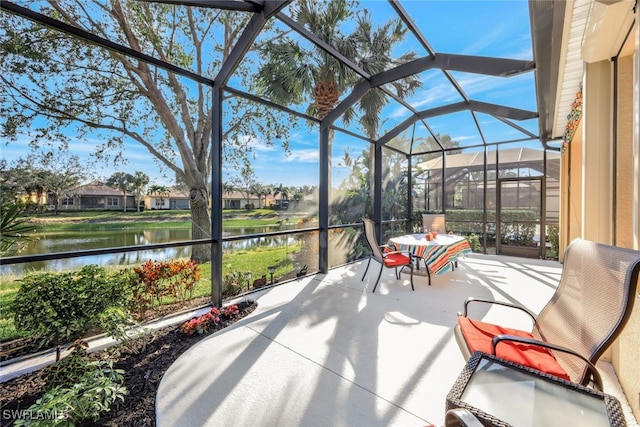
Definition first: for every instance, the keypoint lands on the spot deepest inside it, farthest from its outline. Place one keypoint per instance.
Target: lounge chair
(585, 315)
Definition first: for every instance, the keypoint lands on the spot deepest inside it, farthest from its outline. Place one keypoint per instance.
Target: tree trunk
(200, 224)
(55, 204)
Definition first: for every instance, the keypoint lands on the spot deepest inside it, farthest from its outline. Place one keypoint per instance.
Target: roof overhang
(547, 31)
(566, 35)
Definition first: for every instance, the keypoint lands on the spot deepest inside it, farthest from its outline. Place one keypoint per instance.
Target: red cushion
(478, 337)
(396, 260)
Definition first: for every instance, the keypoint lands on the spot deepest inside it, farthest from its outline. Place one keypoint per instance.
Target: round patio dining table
(439, 254)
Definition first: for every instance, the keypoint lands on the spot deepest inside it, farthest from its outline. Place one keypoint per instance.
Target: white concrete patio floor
(325, 351)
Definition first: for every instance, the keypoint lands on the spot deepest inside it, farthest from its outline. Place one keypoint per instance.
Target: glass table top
(523, 399)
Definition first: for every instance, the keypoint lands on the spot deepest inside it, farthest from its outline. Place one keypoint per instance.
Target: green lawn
(258, 260)
(8, 290)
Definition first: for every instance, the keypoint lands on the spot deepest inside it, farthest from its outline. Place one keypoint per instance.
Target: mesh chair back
(592, 303)
(434, 222)
(372, 241)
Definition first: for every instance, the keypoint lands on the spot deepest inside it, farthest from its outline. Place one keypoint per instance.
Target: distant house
(174, 198)
(238, 200)
(97, 195)
(269, 200)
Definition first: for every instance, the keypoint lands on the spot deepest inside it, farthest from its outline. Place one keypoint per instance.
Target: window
(159, 202)
(67, 201)
(113, 201)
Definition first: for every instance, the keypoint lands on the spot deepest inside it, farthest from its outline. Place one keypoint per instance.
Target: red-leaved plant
(157, 279)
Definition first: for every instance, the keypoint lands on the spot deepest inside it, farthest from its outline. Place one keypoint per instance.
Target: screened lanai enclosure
(325, 112)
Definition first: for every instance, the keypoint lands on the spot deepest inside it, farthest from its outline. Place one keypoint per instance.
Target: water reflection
(76, 241)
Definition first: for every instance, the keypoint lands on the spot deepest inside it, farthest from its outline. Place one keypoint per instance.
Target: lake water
(76, 241)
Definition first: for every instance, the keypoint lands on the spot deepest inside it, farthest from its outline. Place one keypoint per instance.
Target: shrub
(517, 224)
(474, 242)
(157, 279)
(152, 275)
(233, 282)
(58, 307)
(76, 389)
(183, 277)
(119, 325)
(553, 232)
(93, 393)
(68, 371)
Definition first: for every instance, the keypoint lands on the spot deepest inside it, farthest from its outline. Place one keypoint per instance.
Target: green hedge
(58, 307)
(517, 224)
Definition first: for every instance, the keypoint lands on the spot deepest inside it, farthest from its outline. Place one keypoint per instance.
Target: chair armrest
(461, 417)
(407, 253)
(385, 248)
(506, 304)
(595, 375)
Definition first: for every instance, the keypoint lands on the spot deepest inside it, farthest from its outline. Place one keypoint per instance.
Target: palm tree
(228, 189)
(283, 192)
(140, 180)
(14, 227)
(261, 191)
(292, 73)
(267, 191)
(374, 56)
(158, 190)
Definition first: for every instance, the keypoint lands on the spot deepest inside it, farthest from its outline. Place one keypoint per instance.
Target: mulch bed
(143, 371)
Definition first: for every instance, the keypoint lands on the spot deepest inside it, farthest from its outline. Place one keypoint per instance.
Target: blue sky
(479, 28)
(482, 28)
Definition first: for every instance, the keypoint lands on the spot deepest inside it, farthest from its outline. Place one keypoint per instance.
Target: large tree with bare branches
(57, 89)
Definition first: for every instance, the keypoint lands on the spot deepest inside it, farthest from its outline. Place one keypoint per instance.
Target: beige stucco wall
(624, 162)
(625, 355)
(597, 153)
(625, 358)
(571, 197)
(589, 175)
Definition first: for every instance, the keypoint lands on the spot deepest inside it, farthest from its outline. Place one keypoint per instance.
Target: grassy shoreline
(255, 261)
(118, 220)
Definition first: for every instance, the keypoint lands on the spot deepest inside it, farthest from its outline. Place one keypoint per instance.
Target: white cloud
(254, 143)
(304, 156)
(433, 96)
(464, 138)
(299, 139)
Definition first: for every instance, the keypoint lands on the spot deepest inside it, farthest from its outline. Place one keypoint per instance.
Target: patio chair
(434, 222)
(387, 258)
(437, 223)
(587, 312)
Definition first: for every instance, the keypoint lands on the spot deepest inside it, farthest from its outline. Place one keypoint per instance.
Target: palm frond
(14, 227)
